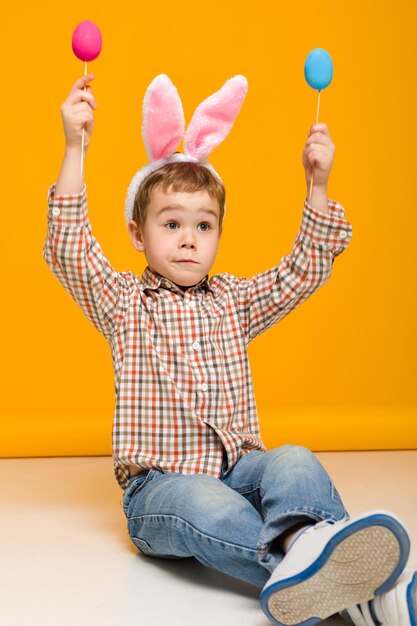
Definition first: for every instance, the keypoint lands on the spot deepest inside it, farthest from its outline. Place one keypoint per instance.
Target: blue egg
(318, 69)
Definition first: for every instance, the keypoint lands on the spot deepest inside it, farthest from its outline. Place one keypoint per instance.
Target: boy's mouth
(186, 261)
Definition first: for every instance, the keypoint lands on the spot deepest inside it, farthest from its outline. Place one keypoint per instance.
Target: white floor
(66, 558)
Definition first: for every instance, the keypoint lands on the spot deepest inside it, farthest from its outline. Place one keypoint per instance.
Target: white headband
(163, 127)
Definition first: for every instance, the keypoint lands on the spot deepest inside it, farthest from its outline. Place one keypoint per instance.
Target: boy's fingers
(81, 82)
(82, 96)
(319, 128)
(318, 138)
(90, 91)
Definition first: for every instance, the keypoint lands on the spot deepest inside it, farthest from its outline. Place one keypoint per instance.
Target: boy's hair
(183, 176)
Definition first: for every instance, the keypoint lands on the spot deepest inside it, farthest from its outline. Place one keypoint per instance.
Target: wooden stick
(317, 121)
(82, 136)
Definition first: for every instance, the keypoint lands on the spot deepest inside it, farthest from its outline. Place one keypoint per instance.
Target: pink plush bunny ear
(163, 118)
(214, 117)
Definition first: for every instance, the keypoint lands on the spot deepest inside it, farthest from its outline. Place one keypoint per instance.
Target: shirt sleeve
(77, 260)
(268, 297)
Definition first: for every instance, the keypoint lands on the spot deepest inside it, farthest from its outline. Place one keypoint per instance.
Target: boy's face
(181, 235)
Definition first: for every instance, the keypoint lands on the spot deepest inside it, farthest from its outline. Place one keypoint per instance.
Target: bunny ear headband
(163, 127)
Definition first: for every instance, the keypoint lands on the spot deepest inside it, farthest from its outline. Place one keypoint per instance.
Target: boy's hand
(77, 113)
(318, 155)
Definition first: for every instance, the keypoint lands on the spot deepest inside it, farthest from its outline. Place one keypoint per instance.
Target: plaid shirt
(183, 383)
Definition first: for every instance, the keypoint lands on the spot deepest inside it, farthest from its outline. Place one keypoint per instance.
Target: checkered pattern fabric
(183, 383)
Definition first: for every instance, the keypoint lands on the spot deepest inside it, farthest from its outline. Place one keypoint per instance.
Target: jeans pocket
(135, 487)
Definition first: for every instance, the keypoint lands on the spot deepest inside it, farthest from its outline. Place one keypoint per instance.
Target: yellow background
(338, 373)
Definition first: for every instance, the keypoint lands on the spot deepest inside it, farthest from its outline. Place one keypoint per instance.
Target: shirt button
(191, 303)
(56, 211)
(196, 345)
(204, 387)
(343, 234)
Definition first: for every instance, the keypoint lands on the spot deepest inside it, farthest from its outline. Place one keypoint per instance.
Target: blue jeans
(231, 523)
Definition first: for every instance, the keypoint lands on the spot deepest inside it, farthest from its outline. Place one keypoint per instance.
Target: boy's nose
(187, 244)
(187, 240)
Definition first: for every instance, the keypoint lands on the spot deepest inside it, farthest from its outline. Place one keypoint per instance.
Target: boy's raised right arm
(77, 114)
(71, 251)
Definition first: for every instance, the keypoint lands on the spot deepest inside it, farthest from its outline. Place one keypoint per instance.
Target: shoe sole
(358, 563)
(412, 600)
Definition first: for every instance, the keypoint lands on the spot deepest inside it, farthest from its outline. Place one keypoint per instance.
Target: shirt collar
(153, 280)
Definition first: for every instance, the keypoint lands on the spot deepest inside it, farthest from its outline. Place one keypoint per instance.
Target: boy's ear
(135, 234)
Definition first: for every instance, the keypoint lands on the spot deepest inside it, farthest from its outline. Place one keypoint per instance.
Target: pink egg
(86, 41)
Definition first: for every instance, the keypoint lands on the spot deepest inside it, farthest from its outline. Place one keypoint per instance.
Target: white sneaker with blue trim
(335, 565)
(395, 607)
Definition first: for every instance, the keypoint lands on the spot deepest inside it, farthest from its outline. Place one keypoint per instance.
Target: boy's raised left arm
(268, 297)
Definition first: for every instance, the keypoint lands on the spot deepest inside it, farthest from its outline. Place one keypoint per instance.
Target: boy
(197, 478)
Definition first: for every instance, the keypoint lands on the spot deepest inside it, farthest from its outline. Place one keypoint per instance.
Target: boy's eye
(205, 226)
(171, 225)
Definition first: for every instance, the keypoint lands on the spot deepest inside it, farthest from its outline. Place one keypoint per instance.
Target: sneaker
(334, 565)
(395, 607)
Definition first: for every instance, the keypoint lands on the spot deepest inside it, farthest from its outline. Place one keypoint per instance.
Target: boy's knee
(294, 453)
(294, 461)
